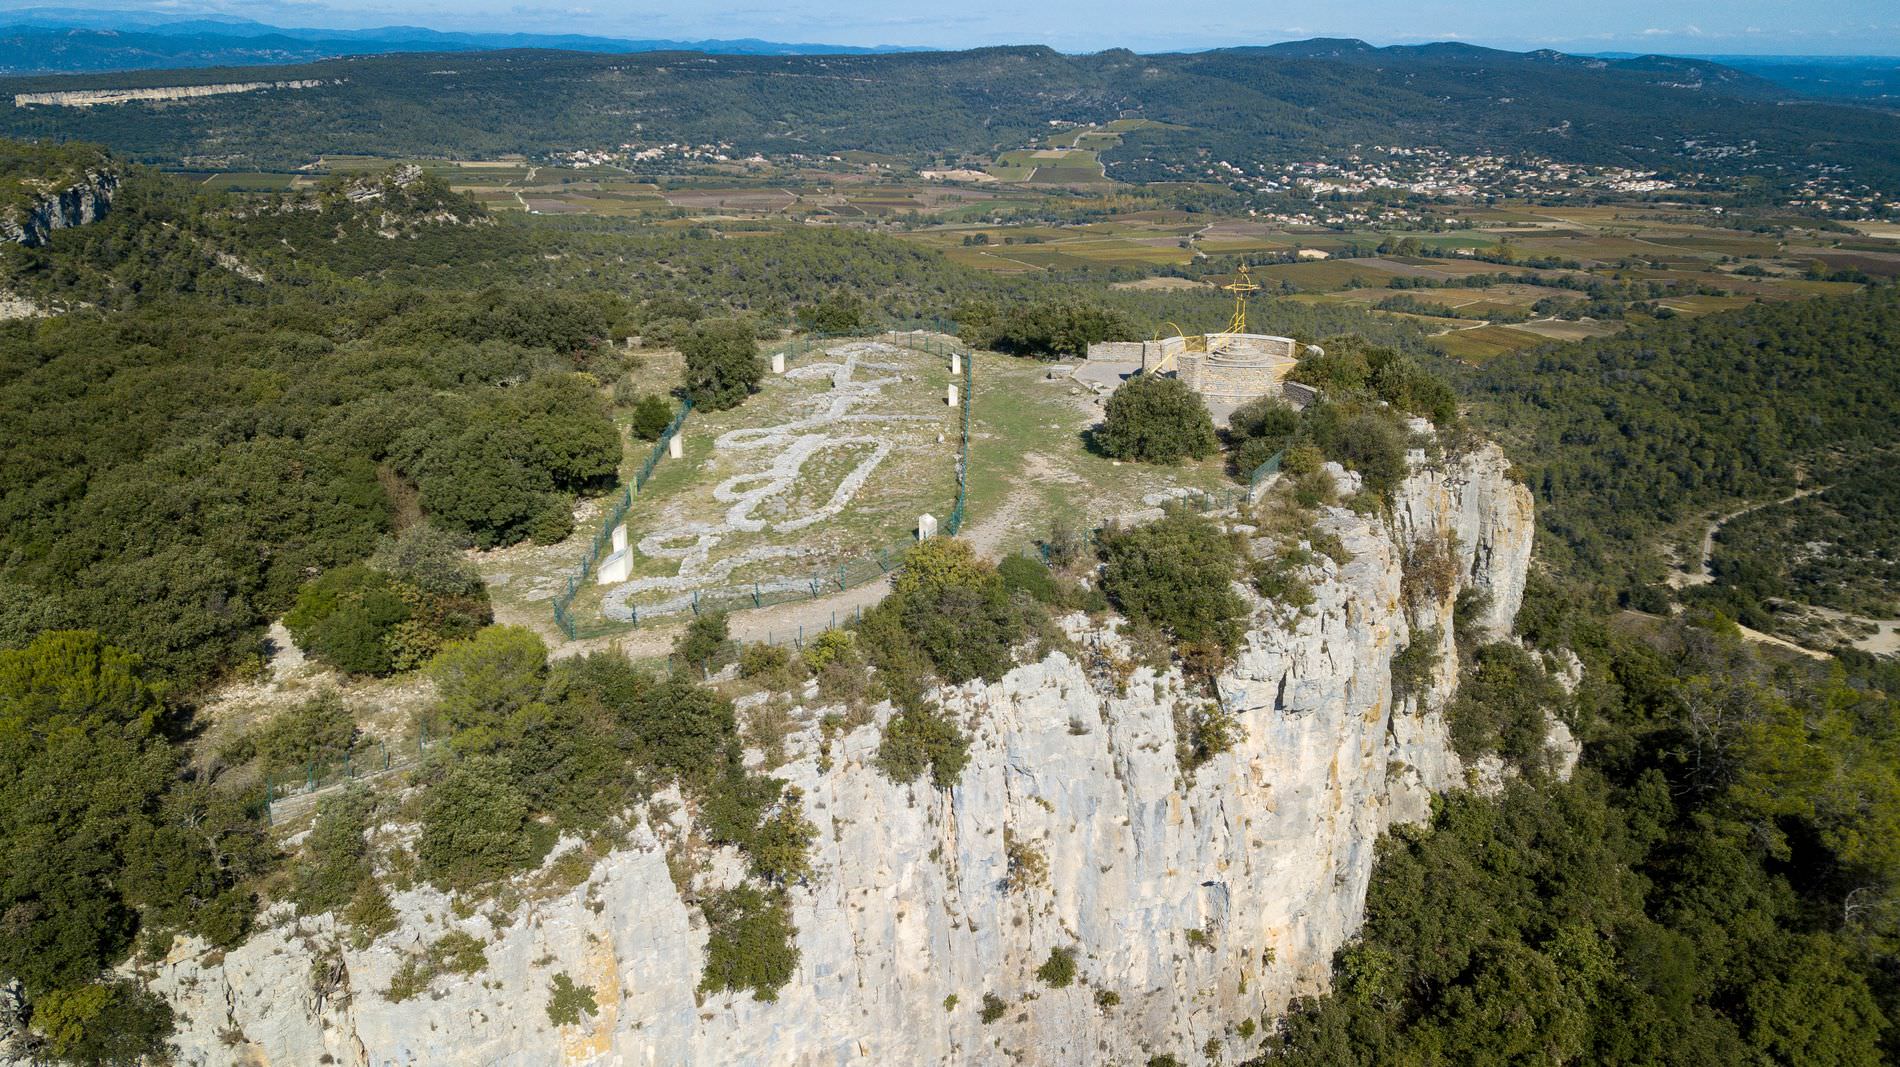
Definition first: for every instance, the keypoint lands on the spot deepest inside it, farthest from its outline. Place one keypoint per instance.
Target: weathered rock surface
(1198, 900)
(156, 94)
(77, 204)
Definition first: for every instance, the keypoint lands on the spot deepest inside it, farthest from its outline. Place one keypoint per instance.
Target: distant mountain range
(1233, 111)
(77, 41)
(55, 40)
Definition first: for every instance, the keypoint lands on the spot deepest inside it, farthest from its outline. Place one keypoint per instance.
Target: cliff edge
(1191, 901)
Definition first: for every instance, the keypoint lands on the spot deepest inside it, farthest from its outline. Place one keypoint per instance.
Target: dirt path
(1781, 642)
(532, 171)
(1681, 579)
(1884, 641)
(1478, 325)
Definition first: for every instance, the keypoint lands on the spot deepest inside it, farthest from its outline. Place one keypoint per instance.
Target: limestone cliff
(1198, 901)
(77, 204)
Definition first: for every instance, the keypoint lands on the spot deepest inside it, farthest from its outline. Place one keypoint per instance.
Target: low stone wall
(1117, 351)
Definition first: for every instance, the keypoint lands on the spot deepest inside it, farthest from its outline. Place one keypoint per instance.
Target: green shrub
(369, 914)
(750, 942)
(335, 861)
(650, 417)
(553, 521)
(1028, 576)
(947, 607)
(568, 1002)
(1430, 572)
(760, 660)
(918, 738)
(481, 681)
(344, 617)
(994, 1008)
(829, 647)
(453, 953)
(1258, 429)
(780, 850)
(364, 620)
(428, 559)
(722, 363)
(1369, 442)
(1176, 573)
(474, 826)
(1107, 998)
(839, 313)
(109, 1022)
(320, 730)
(1156, 420)
(704, 641)
(1412, 668)
(1214, 731)
(1064, 545)
(1045, 330)
(686, 729)
(1058, 971)
(1280, 578)
(1501, 706)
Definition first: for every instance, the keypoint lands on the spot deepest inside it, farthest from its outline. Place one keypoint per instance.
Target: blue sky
(1679, 26)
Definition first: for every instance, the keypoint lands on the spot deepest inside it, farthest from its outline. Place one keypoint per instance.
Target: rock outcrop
(1197, 900)
(77, 204)
(156, 94)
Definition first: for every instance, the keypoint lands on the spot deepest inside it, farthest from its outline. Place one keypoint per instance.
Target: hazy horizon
(1740, 27)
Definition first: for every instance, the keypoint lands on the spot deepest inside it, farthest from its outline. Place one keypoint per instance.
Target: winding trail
(1683, 579)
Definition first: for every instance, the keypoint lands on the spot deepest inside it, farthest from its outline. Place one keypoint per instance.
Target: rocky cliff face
(84, 201)
(1198, 901)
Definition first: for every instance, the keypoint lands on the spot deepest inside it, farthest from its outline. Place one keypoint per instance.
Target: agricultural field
(1479, 343)
(1049, 166)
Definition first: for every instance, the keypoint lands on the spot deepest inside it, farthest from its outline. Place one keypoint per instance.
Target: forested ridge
(1255, 105)
(1623, 436)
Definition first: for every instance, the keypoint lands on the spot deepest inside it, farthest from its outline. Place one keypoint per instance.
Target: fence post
(756, 602)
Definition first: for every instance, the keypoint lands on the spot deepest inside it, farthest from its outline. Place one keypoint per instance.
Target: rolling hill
(1249, 106)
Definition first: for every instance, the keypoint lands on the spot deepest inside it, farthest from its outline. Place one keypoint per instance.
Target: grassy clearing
(1030, 467)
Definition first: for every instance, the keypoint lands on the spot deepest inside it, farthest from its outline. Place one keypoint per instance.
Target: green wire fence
(604, 535)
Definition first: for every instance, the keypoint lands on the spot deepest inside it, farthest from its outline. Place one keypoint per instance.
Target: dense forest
(1835, 548)
(1624, 436)
(1253, 106)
